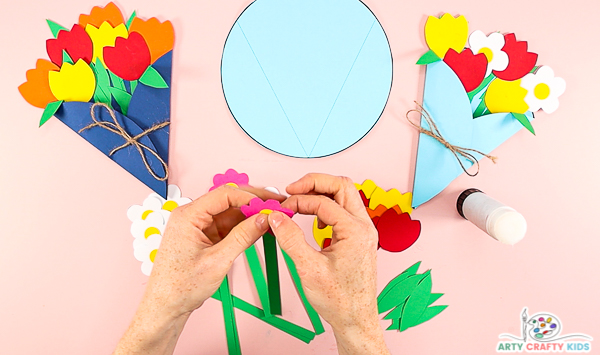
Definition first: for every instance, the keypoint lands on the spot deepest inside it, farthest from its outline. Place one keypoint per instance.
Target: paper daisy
(543, 89)
(145, 249)
(491, 46)
(231, 178)
(257, 206)
(155, 203)
(154, 223)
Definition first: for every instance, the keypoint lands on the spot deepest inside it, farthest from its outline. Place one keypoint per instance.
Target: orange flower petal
(36, 90)
(110, 13)
(159, 36)
(377, 212)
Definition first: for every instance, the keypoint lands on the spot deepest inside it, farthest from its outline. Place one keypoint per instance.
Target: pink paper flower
(231, 177)
(257, 205)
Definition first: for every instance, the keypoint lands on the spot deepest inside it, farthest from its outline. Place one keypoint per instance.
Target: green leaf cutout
(153, 79)
(481, 109)
(430, 312)
(483, 85)
(67, 57)
(398, 279)
(434, 297)
(524, 121)
(428, 58)
(49, 111)
(399, 293)
(133, 84)
(55, 28)
(130, 20)
(117, 82)
(415, 305)
(122, 97)
(101, 74)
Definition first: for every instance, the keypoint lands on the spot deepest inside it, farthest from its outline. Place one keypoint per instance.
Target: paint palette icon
(544, 326)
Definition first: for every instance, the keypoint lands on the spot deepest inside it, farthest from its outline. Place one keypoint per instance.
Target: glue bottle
(499, 221)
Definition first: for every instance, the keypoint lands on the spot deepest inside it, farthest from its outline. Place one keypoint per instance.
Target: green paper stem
(233, 340)
(55, 28)
(312, 314)
(49, 111)
(130, 19)
(117, 82)
(524, 121)
(133, 84)
(123, 98)
(483, 85)
(259, 279)
(480, 110)
(153, 79)
(272, 266)
(428, 58)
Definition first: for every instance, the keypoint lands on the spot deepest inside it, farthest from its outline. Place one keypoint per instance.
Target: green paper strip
(292, 329)
(55, 28)
(428, 58)
(272, 266)
(67, 57)
(49, 111)
(117, 82)
(483, 85)
(233, 340)
(133, 84)
(130, 20)
(480, 110)
(259, 279)
(411, 271)
(153, 79)
(122, 97)
(524, 121)
(312, 314)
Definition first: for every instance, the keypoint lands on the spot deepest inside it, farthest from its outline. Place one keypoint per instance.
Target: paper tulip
(520, 62)
(506, 96)
(76, 43)
(129, 58)
(446, 32)
(110, 13)
(470, 68)
(104, 36)
(159, 36)
(36, 90)
(73, 82)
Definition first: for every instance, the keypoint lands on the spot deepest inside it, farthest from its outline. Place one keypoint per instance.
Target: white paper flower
(152, 203)
(174, 199)
(491, 46)
(145, 249)
(543, 89)
(154, 223)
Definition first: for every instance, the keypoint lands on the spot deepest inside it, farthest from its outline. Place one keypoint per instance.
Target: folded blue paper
(447, 103)
(306, 78)
(148, 106)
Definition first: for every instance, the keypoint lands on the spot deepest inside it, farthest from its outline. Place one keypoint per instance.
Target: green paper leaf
(405, 274)
(396, 312)
(102, 93)
(415, 305)
(428, 58)
(524, 121)
(130, 20)
(430, 312)
(400, 292)
(122, 97)
(395, 325)
(483, 85)
(272, 266)
(259, 278)
(102, 78)
(133, 85)
(117, 82)
(153, 79)
(55, 28)
(434, 297)
(49, 111)
(67, 57)
(481, 109)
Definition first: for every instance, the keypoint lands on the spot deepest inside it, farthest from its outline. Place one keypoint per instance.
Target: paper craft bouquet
(475, 98)
(109, 81)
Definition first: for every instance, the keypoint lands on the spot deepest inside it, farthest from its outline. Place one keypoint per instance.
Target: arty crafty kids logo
(541, 333)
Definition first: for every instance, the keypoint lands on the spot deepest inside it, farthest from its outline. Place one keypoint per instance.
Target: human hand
(340, 281)
(190, 265)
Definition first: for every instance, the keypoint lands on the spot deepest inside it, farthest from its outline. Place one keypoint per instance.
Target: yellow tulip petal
(367, 188)
(446, 32)
(506, 96)
(391, 198)
(321, 234)
(104, 36)
(73, 82)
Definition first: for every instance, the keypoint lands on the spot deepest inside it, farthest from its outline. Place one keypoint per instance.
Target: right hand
(340, 281)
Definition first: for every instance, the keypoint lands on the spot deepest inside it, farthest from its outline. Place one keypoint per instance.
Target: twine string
(434, 133)
(117, 129)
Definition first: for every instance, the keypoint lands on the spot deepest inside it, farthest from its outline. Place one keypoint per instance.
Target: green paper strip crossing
(272, 266)
(259, 278)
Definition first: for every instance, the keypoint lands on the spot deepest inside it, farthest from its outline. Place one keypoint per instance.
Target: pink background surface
(69, 281)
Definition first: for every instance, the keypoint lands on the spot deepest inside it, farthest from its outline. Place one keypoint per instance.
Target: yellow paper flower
(390, 199)
(446, 32)
(73, 82)
(506, 96)
(104, 36)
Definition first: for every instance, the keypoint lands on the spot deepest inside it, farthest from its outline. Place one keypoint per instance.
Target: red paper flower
(520, 62)
(470, 68)
(397, 232)
(76, 42)
(129, 58)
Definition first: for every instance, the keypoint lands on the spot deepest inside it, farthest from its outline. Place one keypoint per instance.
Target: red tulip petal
(520, 62)
(470, 68)
(364, 199)
(326, 242)
(76, 42)
(397, 232)
(129, 58)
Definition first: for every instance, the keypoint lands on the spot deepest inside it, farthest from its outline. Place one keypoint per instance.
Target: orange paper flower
(110, 13)
(36, 90)
(159, 36)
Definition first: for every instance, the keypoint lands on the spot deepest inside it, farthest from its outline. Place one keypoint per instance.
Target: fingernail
(261, 221)
(276, 219)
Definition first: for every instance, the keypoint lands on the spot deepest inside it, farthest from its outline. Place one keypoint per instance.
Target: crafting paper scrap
(324, 87)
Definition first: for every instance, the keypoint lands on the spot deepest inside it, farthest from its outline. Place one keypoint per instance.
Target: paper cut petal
(446, 32)
(73, 82)
(231, 177)
(257, 205)
(397, 232)
(470, 68)
(543, 89)
(520, 62)
(321, 234)
(390, 199)
(36, 90)
(506, 96)
(160, 36)
(129, 58)
(367, 187)
(110, 13)
(104, 36)
(76, 42)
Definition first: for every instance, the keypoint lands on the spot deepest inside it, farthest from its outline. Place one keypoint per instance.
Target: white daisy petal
(558, 86)
(496, 40)
(134, 212)
(500, 61)
(153, 222)
(477, 40)
(550, 105)
(173, 192)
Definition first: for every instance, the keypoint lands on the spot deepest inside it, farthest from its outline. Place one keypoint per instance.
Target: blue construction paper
(447, 103)
(76, 115)
(306, 78)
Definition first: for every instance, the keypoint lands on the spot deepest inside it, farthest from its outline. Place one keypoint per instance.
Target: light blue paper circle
(306, 78)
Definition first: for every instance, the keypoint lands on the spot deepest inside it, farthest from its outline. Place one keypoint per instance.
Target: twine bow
(116, 128)
(434, 132)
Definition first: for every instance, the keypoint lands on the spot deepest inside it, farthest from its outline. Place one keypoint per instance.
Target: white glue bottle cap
(499, 221)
